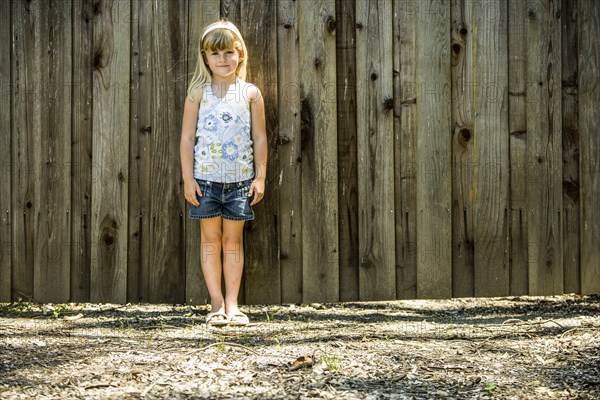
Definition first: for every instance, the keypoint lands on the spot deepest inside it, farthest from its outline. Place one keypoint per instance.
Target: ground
(519, 347)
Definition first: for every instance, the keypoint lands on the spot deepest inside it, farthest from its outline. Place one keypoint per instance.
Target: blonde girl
(223, 162)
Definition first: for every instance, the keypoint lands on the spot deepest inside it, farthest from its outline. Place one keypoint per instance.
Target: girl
(223, 162)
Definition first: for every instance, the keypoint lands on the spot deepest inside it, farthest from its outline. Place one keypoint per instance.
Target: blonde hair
(218, 36)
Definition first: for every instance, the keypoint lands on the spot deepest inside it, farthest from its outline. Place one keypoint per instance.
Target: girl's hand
(190, 188)
(257, 189)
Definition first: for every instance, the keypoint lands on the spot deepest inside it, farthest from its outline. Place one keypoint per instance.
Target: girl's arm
(260, 145)
(186, 149)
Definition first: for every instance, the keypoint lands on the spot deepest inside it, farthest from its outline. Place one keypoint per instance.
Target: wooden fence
(418, 149)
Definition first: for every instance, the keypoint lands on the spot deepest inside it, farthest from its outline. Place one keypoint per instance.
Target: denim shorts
(227, 200)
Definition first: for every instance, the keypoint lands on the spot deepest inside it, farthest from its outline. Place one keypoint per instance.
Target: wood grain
(51, 276)
(433, 152)
(81, 138)
(375, 151)
(6, 244)
(110, 150)
(26, 114)
(347, 149)
(491, 146)
(405, 139)
(570, 145)
(320, 253)
(463, 151)
(517, 126)
(589, 125)
(544, 148)
(289, 153)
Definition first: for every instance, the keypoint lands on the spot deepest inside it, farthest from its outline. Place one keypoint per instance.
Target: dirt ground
(506, 348)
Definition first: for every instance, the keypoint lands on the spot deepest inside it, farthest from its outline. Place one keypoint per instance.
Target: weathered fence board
(5, 154)
(375, 136)
(138, 246)
(51, 276)
(463, 151)
(347, 149)
(544, 145)
(320, 256)
(166, 257)
(517, 126)
(570, 146)
(405, 131)
(81, 167)
(262, 278)
(451, 145)
(110, 151)
(289, 149)
(433, 150)
(490, 143)
(589, 126)
(25, 150)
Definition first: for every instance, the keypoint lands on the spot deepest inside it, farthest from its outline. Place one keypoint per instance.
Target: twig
(149, 388)
(241, 346)
(28, 297)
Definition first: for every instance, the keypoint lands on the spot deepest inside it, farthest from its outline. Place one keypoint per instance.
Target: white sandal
(211, 319)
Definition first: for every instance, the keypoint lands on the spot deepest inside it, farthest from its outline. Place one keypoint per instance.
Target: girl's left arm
(260, 145)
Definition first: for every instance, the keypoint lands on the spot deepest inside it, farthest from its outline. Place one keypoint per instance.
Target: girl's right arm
(186, 148)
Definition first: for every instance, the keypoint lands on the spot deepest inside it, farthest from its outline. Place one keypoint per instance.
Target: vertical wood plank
(5, 154)
(81, 137)
(138, 244)
(262, 274)
(434, 221)
(490, 142)
(405, 139)
(320, 255)
(167, 273)
(52, 227)
(570, 146)
(25, 150)
(517, 125)
(544, 148)
(347, 150)
(463, 157)
(289, 146)
(200, 14)
(110, 151)
(375, 154)
(589, 125)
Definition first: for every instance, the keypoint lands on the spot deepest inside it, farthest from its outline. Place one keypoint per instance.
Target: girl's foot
(218, 318)
(238, 318)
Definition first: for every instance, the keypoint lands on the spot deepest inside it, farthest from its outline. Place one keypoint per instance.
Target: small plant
(489, 388)
(332, 362)
(59, 309)
(18, 309)
(270, 317)
(124, 324)
(221, 343)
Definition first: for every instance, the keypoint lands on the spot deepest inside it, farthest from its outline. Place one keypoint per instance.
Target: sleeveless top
(223, 151)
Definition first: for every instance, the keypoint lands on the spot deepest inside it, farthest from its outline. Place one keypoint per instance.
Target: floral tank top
(223, 150)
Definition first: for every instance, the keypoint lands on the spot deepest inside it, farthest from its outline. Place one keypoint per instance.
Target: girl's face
(223, 63)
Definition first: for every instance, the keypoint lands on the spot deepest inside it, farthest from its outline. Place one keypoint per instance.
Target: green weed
(332, 362)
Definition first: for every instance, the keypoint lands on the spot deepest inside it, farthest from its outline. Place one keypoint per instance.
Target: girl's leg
(233, 262)
(210, 259)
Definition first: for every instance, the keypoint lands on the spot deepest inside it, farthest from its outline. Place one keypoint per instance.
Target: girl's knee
(231, 243)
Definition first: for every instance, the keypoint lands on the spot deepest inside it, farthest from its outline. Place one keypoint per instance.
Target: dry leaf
(301, 362)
